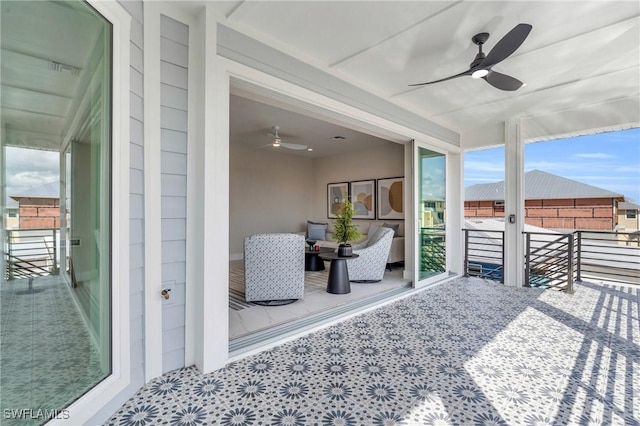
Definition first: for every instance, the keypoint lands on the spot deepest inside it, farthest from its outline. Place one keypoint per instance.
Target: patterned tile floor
(47, 359)
(466, 352)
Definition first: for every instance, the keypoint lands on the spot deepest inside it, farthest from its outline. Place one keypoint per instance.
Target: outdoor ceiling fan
(277, 141)
(482, 64)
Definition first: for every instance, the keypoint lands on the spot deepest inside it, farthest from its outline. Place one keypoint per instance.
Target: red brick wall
(582, 213)
(39, 213)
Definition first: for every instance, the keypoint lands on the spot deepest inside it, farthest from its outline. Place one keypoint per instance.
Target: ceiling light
(309, 149)
(276, 142)
(60, 67)
(479, 73)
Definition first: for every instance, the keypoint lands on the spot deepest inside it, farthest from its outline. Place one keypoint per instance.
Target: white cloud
(594, 155)
(29, 168)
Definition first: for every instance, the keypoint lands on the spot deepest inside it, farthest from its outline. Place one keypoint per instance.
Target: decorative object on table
(337, 194)
(390, 198)
(363, 198)
(311, 243)
(344, 229)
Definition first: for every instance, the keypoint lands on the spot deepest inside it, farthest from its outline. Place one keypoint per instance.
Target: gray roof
(539, 185)
(625, 205)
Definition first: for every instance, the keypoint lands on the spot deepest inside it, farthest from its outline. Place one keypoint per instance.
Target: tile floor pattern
(47, 359)
(469, 352)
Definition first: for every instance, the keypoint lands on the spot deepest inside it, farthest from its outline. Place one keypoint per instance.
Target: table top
(334, 256)
(322, 250)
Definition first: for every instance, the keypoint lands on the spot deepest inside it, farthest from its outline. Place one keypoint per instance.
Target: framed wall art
(390, 198)
(337, 194)
(363, 198)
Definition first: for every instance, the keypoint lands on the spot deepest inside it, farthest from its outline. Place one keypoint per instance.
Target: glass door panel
(55, 337)
(431, 258)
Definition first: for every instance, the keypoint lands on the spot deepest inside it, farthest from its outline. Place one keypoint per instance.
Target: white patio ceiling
(581, 61)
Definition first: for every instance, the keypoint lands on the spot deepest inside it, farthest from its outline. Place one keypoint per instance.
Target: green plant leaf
(344, 229)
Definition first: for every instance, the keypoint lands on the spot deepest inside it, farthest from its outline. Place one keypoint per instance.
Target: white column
(208, 223)
(3, 212)
(455, 213)
(514, 204)
(152, 195)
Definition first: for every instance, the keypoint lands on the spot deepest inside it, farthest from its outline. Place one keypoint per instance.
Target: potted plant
(345, 230)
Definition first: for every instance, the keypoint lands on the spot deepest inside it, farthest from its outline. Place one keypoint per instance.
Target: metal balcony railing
(613, 256)
(484, 253)
(31, 253)
(549, 260)
(432, 249)
(557, 260)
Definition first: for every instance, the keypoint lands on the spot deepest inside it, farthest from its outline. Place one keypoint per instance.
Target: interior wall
(268, 192)
(376, 163)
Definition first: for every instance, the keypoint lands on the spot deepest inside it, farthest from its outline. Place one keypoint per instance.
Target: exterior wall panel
(174, 59)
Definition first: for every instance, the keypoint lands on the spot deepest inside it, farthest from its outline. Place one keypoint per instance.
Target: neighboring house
(39, 207)
(551, 201)
(11, 213)
(628, 218)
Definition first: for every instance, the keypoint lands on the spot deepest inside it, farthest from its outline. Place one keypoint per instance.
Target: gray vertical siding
(174, 51)
(136, 214)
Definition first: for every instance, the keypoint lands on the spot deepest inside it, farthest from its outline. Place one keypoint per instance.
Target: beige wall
(279, 192)
(268, 192)
(629, 224)
(376, 163)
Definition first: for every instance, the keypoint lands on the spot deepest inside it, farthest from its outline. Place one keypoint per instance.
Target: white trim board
(85, 408)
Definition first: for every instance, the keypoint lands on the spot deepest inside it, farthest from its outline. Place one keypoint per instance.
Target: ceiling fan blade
(295, 146)
(503, 81)
(507, 45)
(467, 72)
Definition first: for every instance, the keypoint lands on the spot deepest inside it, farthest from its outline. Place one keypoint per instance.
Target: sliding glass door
(55, 289)
(430, 210)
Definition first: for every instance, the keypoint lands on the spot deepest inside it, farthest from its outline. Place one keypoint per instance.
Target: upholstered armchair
(374, 252)
(274, 268)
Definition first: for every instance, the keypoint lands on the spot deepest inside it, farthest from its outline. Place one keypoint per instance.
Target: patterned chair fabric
(374, 252)
(274, 267)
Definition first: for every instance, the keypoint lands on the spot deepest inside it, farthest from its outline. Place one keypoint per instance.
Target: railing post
(527, 260)
(466, 252)
(10, 253)
(579, 257)
(54, 268)
(570, 263)
(502, 260)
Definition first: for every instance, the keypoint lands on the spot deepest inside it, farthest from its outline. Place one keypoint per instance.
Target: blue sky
(607, 160)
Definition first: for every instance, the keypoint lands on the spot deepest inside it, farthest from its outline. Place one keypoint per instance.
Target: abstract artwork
(363, 199)
(337, 194)
(390, 199)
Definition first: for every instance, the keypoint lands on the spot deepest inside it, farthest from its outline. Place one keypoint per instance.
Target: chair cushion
(395, 228)
(317, 231)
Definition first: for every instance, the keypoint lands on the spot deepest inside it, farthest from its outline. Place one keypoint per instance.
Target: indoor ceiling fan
(277, 141)
(482, 64)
